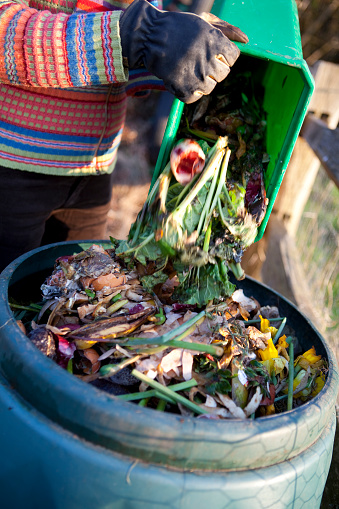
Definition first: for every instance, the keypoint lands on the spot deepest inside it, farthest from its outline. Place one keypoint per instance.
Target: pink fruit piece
(187, 159)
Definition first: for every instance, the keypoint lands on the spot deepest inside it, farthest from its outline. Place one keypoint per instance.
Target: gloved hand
(188, 53)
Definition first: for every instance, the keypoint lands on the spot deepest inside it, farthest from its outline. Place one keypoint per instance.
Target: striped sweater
(63, 85)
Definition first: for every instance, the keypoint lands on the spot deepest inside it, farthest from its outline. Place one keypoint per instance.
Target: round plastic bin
(66, 444)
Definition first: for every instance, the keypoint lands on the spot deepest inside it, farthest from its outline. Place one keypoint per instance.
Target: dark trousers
(37, 209)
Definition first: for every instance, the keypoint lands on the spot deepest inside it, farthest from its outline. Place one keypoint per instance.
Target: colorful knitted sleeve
(45, 49)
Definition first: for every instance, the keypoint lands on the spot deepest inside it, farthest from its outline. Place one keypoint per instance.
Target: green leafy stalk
(161, 317)
(207, 206)
(144, 402)
(229, 201)
(134, 249)
(168, 392)
(182, 386)
(221, 183)
(161, 405)
(279, 331)
(290, 374)
(26, 308)
(111, 369)
(237, 270)
(221, 214)
(70, 366)
(279, 398)
(116, 306)
(150, 198)
(207, 173)
(217, 351)
(207, 238)
(185, 190)
(165, 338)
(258, 320)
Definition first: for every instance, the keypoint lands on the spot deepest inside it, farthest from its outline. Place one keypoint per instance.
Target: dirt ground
(132, 175)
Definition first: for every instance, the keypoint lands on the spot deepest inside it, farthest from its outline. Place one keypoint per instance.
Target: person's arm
(39, 48)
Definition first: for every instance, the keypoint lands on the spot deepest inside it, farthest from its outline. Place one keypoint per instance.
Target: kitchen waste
(206, 205)
(233, 359)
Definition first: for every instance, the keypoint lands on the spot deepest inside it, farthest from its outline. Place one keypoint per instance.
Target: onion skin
(187, 159)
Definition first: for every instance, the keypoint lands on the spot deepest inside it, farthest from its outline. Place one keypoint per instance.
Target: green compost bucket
(274, 56)
(67, 445)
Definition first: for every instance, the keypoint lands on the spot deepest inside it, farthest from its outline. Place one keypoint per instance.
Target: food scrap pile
(155, 319)
(225, 360)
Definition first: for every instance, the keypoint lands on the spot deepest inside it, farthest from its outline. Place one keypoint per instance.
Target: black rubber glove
(182, 49)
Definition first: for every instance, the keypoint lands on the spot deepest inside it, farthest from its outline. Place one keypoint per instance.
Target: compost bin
(66, 444)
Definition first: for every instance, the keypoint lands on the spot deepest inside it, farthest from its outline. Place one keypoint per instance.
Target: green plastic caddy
(274, 56)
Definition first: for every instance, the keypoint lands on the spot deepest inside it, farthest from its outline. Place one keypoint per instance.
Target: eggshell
(110, 280)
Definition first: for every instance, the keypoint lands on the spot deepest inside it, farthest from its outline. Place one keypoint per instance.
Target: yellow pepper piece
(267, 410)
(311, 356)
(269, 353)
(83, 345)
(319, 382)
(265, 326)
(272, 330)
(282, 342)
(281, 347)
(270, 410)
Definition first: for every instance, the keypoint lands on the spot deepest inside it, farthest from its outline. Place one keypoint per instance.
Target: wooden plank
(325, 144)
(297, 185)
(304, 164)
(325, 100)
